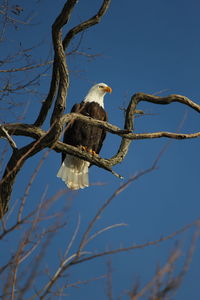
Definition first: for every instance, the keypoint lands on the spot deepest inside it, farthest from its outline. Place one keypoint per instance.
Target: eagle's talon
(94, 153)
(83, 148)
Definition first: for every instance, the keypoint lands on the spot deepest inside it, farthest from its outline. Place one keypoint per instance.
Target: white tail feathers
(74, 172)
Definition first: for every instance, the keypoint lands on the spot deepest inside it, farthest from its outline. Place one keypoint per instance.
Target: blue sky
(142, 46)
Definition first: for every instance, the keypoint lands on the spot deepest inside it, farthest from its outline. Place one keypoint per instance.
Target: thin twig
(103, 230)
(134, 247)
(9, 138)
(27, 68)
(73, 237)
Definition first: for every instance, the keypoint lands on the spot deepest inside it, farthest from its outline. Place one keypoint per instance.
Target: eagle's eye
(101, 86)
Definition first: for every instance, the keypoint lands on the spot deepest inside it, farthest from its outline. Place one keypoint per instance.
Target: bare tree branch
(17, 160)
(165, 100)
(163, 287)
(56, 129)
(59, 50)
(81, 255)
(26, 68)
(62, 19)
(8, 137)
(133, 247)
(59, 84)
(86, 24)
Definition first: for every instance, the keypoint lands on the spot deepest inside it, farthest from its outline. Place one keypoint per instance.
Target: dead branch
(109, 283)
(163, 287)
(159, 275)
(82, 256)
(59, 85)
(9, 138)
(59, 50)
(40, 135)
(86, 24)
(17, 160)
(165, 100)
(26, 68)
(134, 247)
(62, 19)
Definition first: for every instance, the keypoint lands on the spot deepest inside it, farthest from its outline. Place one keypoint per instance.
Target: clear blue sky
(143, 46)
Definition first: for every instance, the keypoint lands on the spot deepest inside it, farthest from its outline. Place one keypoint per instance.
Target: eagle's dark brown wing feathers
(79, 133)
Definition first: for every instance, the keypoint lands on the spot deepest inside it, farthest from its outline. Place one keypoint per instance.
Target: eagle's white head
(97, 93)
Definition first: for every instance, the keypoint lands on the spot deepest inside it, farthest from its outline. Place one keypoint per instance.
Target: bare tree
(158, 288)
(58, 92)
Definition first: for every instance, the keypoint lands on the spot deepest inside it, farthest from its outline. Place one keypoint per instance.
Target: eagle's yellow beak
(108, 89)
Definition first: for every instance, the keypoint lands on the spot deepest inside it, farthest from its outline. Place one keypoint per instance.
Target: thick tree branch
(165, 100)
(35, 132)
(128, 125)
(171, 135)
(51, 94)
(59, 49)
(17, 160)
(50, 139)
(61, 20)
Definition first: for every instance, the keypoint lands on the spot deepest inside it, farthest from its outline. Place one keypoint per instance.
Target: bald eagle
(74, 171)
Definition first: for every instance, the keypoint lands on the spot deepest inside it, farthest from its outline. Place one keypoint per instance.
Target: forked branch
(62, 20)
(59, 87)
(51, 138)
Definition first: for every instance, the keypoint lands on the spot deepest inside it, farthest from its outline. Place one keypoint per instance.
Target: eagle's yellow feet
(84, 148)
(92, 152)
